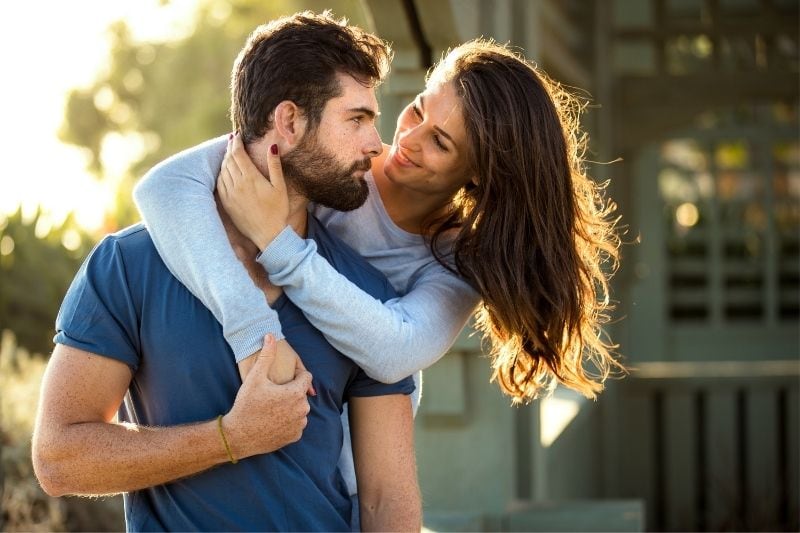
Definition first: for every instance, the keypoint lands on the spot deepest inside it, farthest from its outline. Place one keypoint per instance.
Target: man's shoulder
(134, 238)
(130, 248)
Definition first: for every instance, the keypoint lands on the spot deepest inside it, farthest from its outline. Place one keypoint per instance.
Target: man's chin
(345, 201)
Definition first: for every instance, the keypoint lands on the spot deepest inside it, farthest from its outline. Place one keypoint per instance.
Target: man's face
(329, 163)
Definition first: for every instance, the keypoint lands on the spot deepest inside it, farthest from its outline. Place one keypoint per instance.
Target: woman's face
(429, 151)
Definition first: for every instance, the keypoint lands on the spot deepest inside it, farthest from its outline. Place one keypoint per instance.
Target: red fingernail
(274, 149)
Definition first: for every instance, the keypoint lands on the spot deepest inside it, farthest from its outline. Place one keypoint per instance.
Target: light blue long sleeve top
(389, 340)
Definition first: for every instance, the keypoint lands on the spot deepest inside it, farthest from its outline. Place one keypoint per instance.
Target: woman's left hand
(259, 207)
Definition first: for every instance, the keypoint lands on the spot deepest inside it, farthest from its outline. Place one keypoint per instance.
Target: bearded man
(142, 394)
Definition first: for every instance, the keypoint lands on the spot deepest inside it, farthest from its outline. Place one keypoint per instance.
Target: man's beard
(316, 174)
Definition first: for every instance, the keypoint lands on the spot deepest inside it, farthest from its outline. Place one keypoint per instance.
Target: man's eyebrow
(437, 128)
(371, 113)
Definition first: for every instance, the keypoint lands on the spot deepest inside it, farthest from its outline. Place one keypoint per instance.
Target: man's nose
(373, 146)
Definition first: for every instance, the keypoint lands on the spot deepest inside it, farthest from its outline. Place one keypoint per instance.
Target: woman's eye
(416, 111)
(439, 143)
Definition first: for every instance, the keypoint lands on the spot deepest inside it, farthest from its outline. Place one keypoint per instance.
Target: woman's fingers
(224, 180)
(244, 165)
(229, 163)
(275, 168)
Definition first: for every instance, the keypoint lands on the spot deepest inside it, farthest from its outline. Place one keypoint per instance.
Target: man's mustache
(363, 165)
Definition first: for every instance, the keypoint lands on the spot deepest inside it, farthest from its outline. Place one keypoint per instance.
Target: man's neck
(298, 212)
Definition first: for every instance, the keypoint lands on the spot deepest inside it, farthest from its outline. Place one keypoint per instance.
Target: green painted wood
(575, 460)
(388, 19)
(770, 237)
(637, 464)
(761, 491)
(647, 317)
(722, 489)
(467, 465)
(793, 459)
(449, 397)
(595, 515)
(680, 461)
(744, 342)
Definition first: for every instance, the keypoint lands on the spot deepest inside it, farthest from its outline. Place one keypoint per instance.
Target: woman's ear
(289, 122)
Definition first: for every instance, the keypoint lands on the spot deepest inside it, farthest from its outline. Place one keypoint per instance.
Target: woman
(482, 196)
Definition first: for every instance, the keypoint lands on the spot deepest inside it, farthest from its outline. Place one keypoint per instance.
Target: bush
(23, 504)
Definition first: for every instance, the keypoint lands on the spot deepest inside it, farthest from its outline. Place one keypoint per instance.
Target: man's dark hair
(297, 58)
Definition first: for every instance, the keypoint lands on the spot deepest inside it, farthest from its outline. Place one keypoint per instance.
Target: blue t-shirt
(124, 304)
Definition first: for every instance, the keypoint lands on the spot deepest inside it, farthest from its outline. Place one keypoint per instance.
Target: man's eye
(416, 111)
(357, 120)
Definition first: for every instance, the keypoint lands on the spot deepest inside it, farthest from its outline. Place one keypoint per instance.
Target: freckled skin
(79, 449)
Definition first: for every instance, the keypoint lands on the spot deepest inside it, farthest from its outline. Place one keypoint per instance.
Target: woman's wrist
(265, 236)
(285, 247)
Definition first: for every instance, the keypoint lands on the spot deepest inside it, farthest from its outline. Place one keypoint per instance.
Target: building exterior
(699, 100)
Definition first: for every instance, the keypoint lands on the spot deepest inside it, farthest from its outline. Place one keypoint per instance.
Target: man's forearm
(107, 458)
(398, 512)
(388, 489)
(77, 449)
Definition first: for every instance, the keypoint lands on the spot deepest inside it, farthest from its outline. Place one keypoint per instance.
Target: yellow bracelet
(225, 441)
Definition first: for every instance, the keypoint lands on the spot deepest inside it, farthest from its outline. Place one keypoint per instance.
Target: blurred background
(694, 120)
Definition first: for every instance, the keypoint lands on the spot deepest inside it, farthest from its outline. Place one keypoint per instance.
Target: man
(129, 331)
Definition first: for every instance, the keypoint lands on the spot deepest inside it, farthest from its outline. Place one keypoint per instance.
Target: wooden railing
(712, 446)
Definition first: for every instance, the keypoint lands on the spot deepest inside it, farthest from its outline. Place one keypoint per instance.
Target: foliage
(35, 272)
(23, 504)
(167, 96)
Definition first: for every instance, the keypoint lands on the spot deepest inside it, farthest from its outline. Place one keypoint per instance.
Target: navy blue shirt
(124, 304)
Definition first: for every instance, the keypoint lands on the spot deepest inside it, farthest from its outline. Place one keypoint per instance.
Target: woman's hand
(259, 207)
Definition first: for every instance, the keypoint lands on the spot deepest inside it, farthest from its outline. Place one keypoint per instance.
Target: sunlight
(45, 55)
(557, 412)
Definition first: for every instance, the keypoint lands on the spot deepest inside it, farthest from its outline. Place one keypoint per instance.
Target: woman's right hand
(259, 207)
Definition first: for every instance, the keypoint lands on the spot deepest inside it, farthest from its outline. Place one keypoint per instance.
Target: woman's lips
(402, 160)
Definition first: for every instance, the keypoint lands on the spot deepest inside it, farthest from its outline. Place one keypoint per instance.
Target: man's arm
(382, 430)
(79, 449)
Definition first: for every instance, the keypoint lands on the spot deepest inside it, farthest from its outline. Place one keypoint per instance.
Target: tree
(35, 272)
(171, 95)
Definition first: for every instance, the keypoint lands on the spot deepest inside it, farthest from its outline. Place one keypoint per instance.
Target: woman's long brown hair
(534, 234)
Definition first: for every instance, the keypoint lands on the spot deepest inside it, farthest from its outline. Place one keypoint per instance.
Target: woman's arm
(176, 200)
(389, 341)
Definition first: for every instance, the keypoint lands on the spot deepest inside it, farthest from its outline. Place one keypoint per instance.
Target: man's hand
(266, 416)
(78, 448)
(258, 206)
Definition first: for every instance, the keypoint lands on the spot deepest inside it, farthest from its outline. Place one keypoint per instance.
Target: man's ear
(289, 122)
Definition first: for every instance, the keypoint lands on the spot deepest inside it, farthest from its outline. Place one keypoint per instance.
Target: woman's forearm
(176, 200)
(390, 340)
